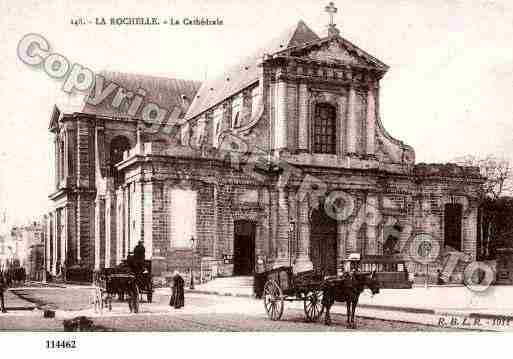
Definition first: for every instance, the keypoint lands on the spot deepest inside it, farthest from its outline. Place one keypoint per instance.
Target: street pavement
(420, 304)
(201, 313)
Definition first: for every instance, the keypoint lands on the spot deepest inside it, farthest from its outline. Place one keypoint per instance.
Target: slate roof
(246, 72)
(165, 92)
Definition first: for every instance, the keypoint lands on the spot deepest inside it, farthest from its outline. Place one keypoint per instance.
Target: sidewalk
(430, 304)
(15, 303)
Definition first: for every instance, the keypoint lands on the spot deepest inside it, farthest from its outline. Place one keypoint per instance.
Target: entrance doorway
(453, 214)
(323, 242)
(244, 247)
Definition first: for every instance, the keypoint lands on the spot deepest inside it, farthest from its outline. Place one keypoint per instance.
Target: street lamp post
(192, 263)
(292, 237)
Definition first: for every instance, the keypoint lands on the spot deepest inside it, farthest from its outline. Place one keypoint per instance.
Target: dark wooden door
(244, 247)
(323, 242)
(453, 215)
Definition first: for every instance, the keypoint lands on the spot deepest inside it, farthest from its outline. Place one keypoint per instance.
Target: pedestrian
(2, 289)
(439, 279)
(177, 291)
(139, 256)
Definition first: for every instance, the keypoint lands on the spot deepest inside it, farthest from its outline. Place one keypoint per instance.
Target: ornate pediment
(334, 52)
(339, 51)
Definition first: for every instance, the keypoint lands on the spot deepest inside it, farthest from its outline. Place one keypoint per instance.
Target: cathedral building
(281, 160)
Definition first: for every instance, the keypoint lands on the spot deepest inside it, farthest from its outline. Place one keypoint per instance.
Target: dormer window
(324, 129)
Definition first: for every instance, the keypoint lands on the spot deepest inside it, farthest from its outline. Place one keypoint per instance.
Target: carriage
(119, 277)
(281, 285)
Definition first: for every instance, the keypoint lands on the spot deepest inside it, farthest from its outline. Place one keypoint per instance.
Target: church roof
(245, 73)
(163, 91)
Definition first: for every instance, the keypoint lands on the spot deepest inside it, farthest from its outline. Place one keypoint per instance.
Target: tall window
(217, 125)
(324, 129)
(236, 113)
(118, 145)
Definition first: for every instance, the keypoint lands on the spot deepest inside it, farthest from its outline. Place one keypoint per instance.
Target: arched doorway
(244, 247)
(118, 145)
(323, 242)
(453, 215)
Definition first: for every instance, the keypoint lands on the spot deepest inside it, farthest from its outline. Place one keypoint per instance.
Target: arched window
(324, 129)
(117, 146)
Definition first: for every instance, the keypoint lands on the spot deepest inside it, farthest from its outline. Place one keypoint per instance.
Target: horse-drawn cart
(317, 292)
(281, 285)
(119, 278)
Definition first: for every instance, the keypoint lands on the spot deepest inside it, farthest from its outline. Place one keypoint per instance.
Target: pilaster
(303, 261)
(303, 118)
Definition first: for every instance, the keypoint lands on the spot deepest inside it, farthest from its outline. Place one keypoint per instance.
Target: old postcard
(302, 166)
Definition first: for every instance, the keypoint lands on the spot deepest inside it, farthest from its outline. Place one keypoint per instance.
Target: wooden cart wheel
(273, 300)
(313, 305)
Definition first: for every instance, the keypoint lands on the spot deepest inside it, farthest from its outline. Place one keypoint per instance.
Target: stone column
(303, 261)
(147, 217)
(373, 219)
(281, 115)
(48, 244)
(342, 125)
(72, 148)
(341, 243)
(351, 122)
(84, 161)
(283, 230)
(65, 167)
(273, 208)
(120, 224)
(56, 162)
(371, 121)
(58, 234)
(99, 232)
(126, 205)
(215, 235)
(303, 118)
(54, 244)
(65, 233)
(110, 228)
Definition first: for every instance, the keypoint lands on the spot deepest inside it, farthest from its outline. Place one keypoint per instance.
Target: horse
(347, 289)
(122, 284)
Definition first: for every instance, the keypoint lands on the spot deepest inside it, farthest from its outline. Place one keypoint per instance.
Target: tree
(493, 212)
(497, 172)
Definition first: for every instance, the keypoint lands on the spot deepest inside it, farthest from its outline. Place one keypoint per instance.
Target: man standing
(139, 255)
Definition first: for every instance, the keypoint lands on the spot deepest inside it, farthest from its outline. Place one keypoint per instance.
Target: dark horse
(122, 284)
(347, 289)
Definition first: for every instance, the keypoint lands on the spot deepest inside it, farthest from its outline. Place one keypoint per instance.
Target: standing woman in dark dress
(177, 296)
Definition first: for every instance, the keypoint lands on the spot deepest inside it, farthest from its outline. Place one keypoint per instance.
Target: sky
(447, 93)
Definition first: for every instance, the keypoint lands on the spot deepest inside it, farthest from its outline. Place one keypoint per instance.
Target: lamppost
(192, 263)
(292, 228)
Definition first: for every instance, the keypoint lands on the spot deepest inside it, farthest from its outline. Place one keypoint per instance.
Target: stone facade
(264, 148)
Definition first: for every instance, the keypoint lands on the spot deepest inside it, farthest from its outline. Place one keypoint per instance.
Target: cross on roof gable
(297, 40)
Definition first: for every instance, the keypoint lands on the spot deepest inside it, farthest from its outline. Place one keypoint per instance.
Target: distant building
(29, 247)
(307, 107)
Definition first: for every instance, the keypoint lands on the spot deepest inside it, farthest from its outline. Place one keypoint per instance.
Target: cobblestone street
(201, 313)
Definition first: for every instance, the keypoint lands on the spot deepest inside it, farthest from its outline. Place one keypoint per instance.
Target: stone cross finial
(331, 10)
